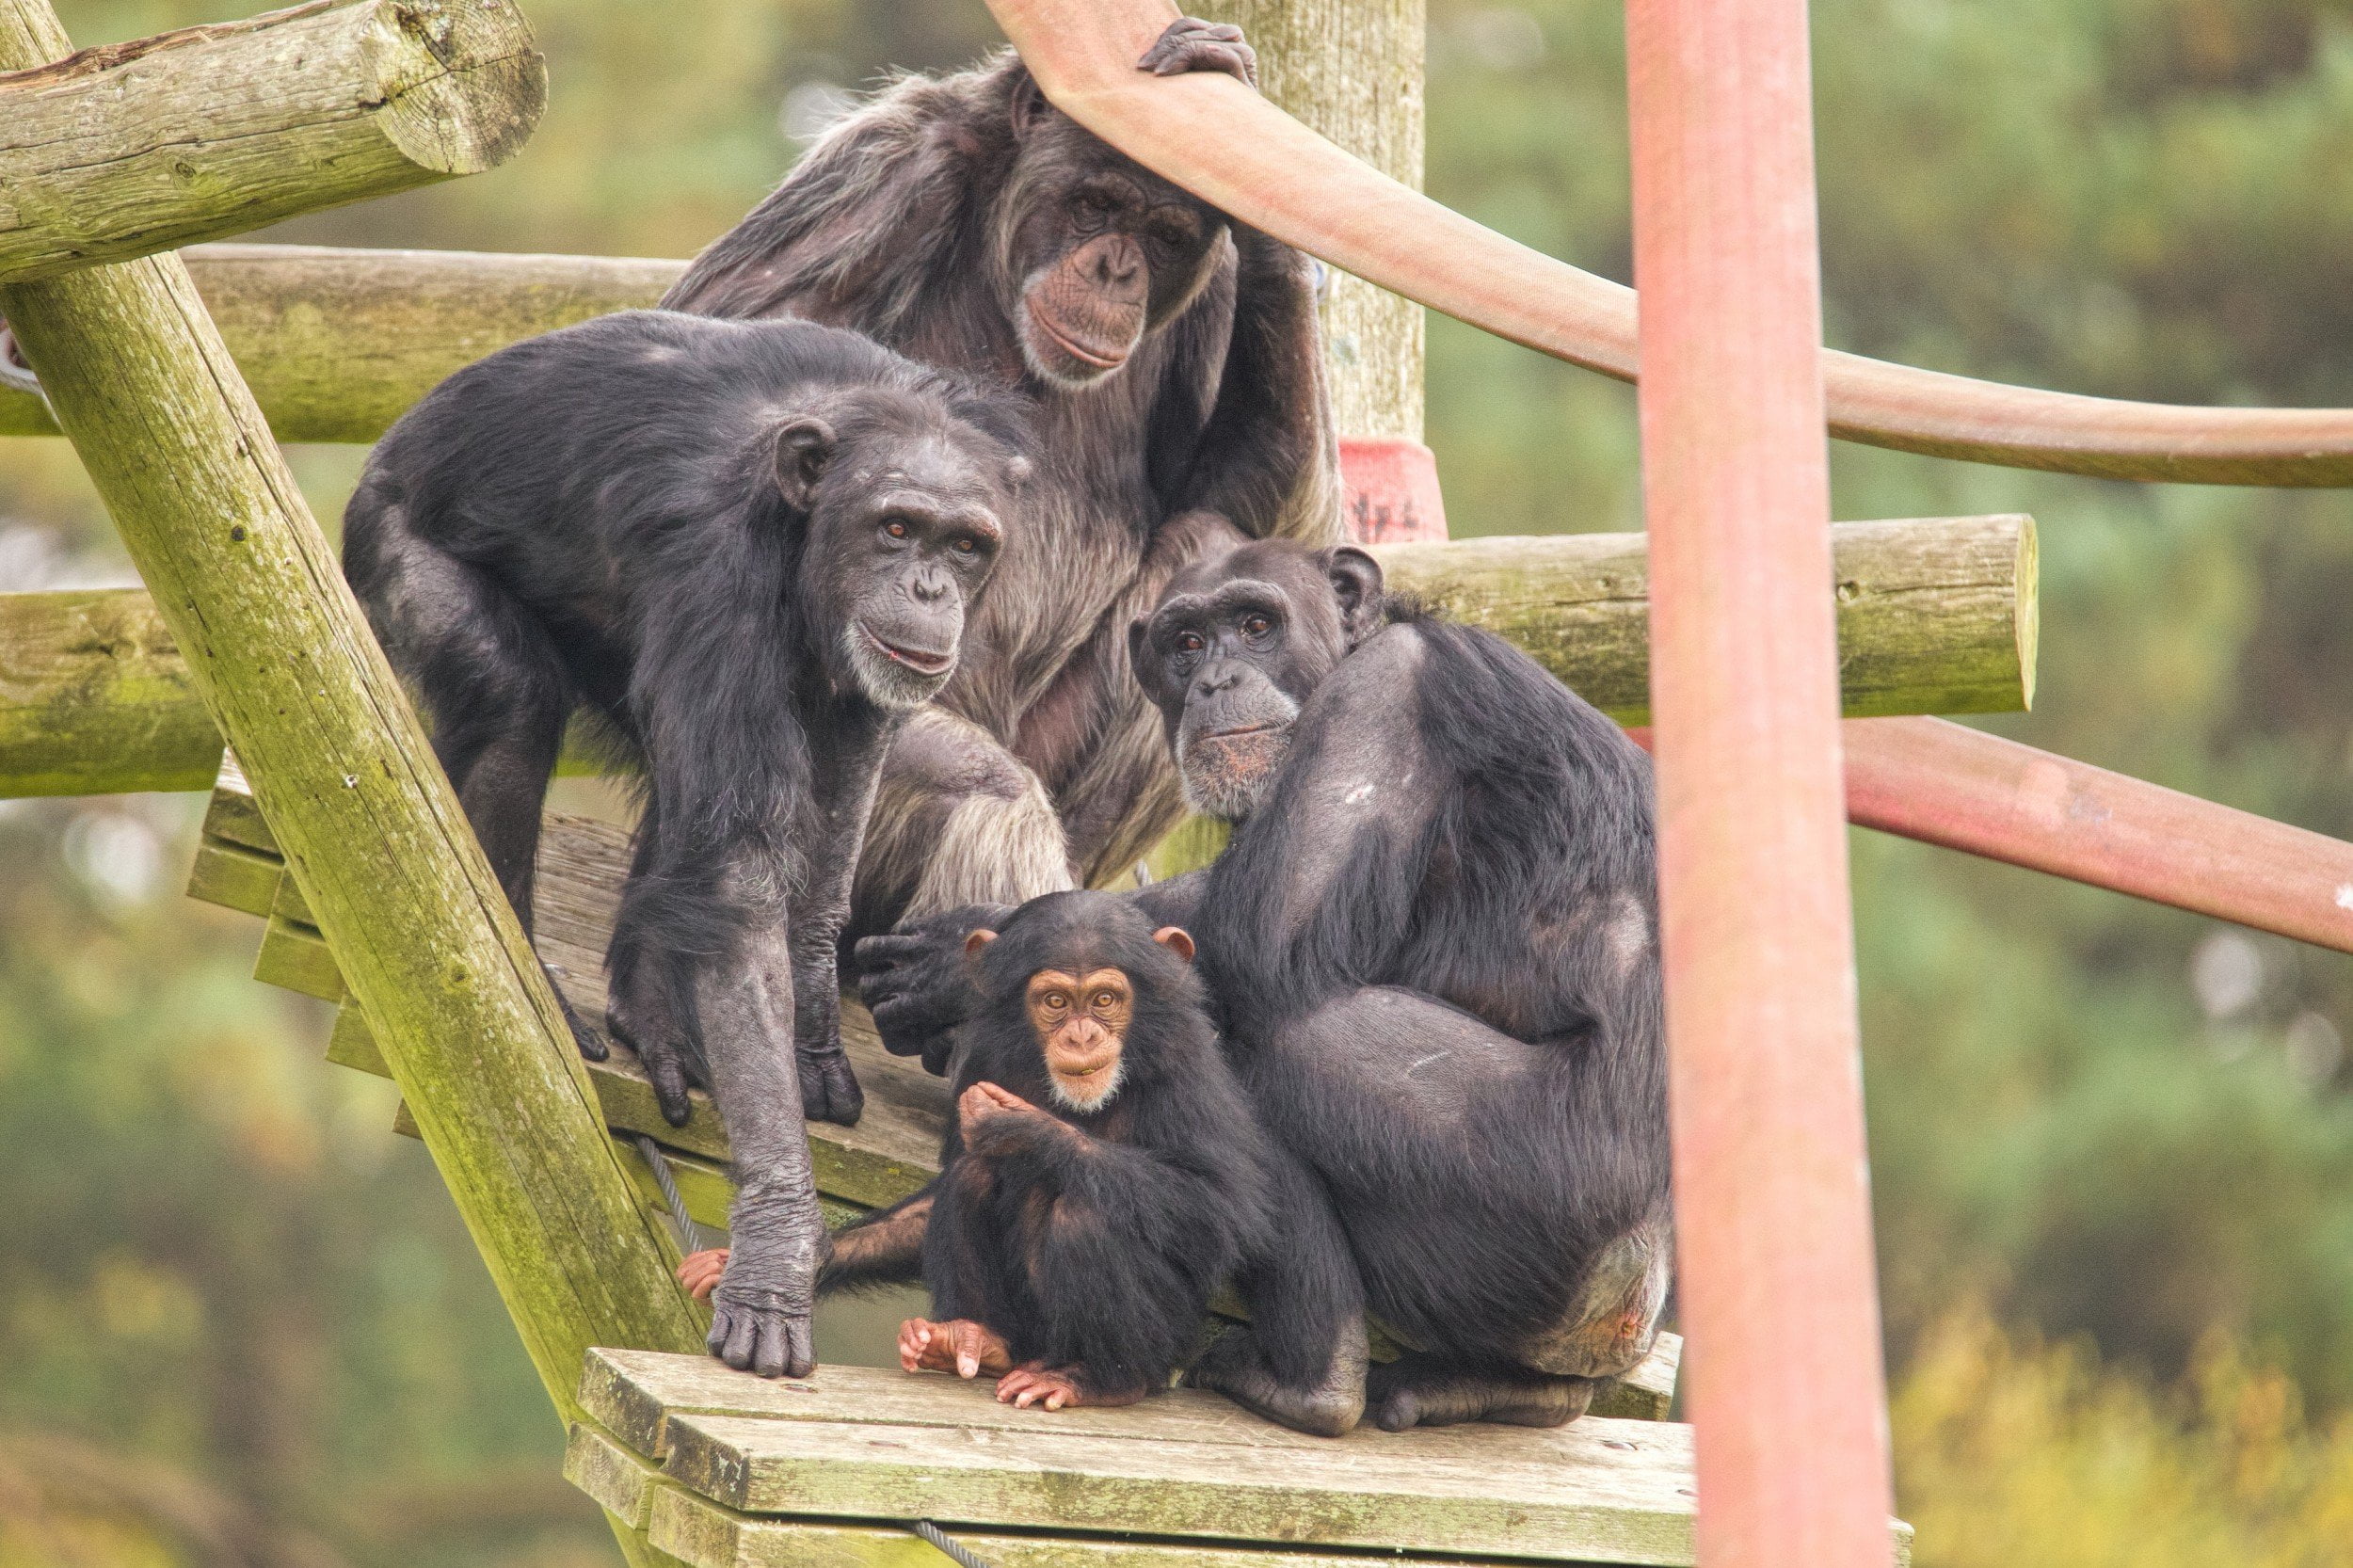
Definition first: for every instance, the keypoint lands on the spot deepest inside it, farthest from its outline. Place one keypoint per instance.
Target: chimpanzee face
(1081, 1002)
(1235, 649)
(1099, 252)
(906, 513)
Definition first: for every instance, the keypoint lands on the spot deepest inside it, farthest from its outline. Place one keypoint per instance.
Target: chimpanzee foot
(1234, 1366)
(664, 1065)
(1419, 1391)
(829, 1090)
(1036, 1386)
(960, 1346)
(1192, 44)
(585, 1035)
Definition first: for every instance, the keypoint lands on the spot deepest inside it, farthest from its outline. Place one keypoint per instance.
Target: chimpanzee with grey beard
(1432, 947)
(748, 549)
(1102, 1175)
(1174, 358)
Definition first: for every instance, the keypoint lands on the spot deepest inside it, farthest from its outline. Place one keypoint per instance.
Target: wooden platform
(892, 1151)
(724, 1470)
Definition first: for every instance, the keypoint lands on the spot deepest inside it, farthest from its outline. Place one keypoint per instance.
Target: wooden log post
(277, 649)
(138, 148)
(1353, 70)
(337, 343)
(1936, 615)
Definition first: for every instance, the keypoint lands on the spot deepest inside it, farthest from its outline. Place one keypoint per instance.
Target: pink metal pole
(1778, 1285)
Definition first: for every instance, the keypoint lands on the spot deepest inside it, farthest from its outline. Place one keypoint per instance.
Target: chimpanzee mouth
(914, 659)
(1098, 358)
(1240, 732)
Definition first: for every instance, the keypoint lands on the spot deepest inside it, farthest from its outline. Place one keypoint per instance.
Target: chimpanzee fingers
(585, 1035)
(700, 1271)
(669, 1084)
(830, 1088)
(1191, 44)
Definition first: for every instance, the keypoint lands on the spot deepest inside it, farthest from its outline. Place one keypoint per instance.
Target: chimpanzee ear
(1177, 939)
(804, 446)
(1356, 583)
(979, 940)
(1028, 107)
(1136, 630)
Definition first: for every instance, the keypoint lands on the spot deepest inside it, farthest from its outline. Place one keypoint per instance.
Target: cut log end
(463, 84)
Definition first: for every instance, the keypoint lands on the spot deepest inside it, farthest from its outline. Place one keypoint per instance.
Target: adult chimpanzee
(1431, 946)
(1102, 1175)
(749, 549)
(1173, 358)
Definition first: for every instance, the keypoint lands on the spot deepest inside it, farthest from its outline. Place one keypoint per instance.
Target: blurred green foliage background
(239, 1323)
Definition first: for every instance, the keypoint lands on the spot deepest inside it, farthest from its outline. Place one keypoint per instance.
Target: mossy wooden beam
(337, 343)
(1936, 615)
(132, 149)
(277, 649)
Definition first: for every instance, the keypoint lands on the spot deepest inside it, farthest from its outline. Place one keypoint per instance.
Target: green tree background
(2113, 1144)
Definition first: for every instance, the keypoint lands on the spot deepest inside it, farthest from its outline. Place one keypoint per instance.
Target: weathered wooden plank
(294, 957)
(279, 652)
(133, 149)
(1648, 1392)
(634, 1394)
(697, 1532)
(337, 343)
(234, 878)
(1936, 614)
(1609, 1491)
(621, 1483)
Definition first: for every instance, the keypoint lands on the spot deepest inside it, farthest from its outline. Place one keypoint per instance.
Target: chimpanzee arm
(845, 791)
(918, 988)
(883, 1248)
(1267, 460)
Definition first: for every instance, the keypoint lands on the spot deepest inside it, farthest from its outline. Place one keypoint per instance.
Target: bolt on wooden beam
(133, 149)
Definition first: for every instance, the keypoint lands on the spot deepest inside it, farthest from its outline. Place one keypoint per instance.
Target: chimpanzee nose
(1118, 264)
(1217, 678)
(928, 589)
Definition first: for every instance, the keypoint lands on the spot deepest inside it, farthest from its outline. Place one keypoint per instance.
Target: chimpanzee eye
(896, 528)
(1256, 626)
(1056, 1001)
(966, 545)
(1189, 642)
(1105, 1000)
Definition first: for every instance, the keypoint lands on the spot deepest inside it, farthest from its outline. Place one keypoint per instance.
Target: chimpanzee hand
(661, 1051)
(701, 1270)
(760, 1309)
(994, 1121)
(829, 1089)
(1192, 44)
(915, 982)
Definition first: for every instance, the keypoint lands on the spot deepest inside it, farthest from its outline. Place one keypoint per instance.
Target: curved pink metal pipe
(1217, 138)
(1944, 783)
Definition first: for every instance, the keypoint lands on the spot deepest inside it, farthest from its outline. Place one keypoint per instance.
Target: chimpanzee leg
(844, 801)
(495, 689)
(1426, 1391)
(1302, 1360)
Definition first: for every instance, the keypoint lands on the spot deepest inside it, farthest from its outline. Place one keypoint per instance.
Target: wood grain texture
(132, 149)
(1352, 71)
(337, 343)
(1613, 1492)
(699, 1532)
(1936, 615)
(278, 650)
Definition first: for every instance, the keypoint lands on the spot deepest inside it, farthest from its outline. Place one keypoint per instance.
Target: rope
(690, 1235)
(964, 1555)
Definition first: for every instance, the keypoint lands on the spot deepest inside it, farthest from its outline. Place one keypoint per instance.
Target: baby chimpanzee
(749, 549)
(1103, 1174)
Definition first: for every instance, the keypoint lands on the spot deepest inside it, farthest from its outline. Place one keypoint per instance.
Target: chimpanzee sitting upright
(748, 549)
(1103, 1173)
(1431, 946)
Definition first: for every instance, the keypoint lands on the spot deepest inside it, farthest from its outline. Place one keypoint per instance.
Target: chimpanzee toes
(670, 1086)
(1191, 44)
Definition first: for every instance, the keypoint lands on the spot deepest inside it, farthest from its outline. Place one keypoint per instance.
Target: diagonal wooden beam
(132, 149)
(277, 649)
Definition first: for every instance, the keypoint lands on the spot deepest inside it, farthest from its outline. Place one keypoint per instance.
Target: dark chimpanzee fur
(1175, 361)
(748, 549)
(1432, 946)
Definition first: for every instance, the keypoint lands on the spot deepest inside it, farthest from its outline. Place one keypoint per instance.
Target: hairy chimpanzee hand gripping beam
(1174, 361)
(1432, 947)
(748, 549)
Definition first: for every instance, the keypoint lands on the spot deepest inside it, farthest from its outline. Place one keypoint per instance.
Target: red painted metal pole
(1778, 1285)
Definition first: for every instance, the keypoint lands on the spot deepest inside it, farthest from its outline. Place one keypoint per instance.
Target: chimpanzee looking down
(749, 549)
(1102, 1175)
(1432, 949)
(1174, 361)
